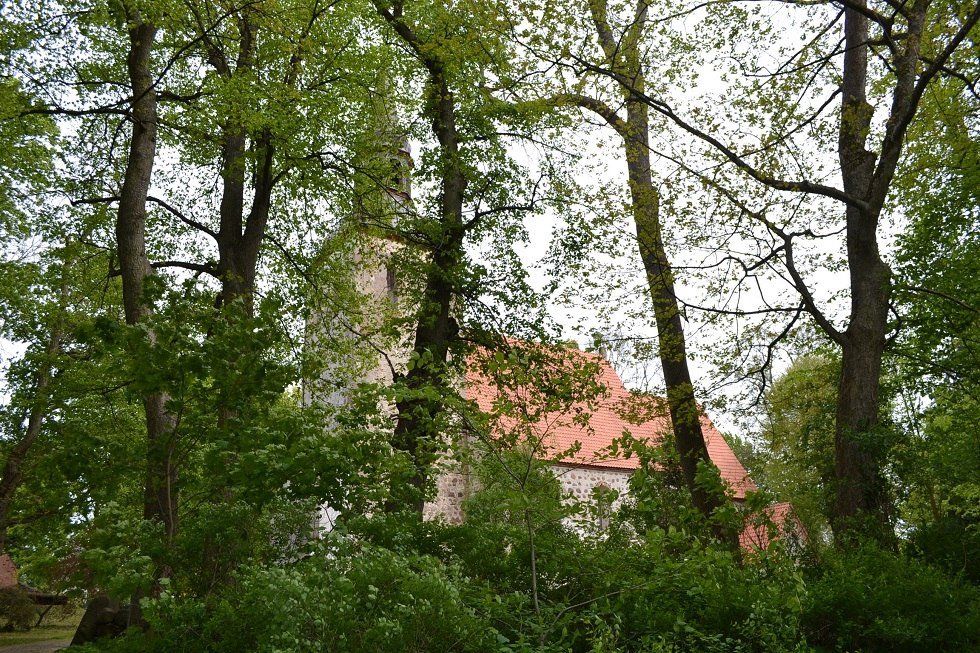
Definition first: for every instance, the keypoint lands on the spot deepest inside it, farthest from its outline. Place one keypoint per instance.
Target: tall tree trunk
(861, 503)
(160, 491)
(685, 414)
(624, 58)
(240, 237)
(417, 431)
(239, 240)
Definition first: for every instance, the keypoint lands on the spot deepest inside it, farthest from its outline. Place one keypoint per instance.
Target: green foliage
(872, 600)
(16, 608)
(658, 497)
(530, 569)
(26, 151)
(670, 594)
(346, 598)
(796, 459)
(951, 543)
(935, 356)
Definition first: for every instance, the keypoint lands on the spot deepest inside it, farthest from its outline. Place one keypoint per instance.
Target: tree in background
(478, 194)
(795, 461)
(622, 55)
(918, 44)
(936, 354)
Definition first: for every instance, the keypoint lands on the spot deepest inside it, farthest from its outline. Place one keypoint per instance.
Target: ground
(48, 646)
(56, 632)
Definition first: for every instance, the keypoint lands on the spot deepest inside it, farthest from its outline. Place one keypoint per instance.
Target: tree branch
(797, 186)
(597, 107)
(941, 295)
(200, 268)
(180, 216)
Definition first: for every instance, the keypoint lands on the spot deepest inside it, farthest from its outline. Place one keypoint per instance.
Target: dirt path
(49, 646)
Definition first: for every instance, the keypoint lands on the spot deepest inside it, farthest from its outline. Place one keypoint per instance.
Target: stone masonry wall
(580, 481)
(455, 486)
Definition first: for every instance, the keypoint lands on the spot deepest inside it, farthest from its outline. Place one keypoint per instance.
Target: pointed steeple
(390, 150)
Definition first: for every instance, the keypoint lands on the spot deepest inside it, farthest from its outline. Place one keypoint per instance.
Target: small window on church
(603, 498)
(390, 284)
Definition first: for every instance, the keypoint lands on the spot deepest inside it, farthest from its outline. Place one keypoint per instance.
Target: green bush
(700, 600)
(364, 600)
(952, 543)
(872, 600)
(17, 609)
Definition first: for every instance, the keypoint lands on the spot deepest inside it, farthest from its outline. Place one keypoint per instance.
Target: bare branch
(200, 268)
(797, 186)
(183, 218)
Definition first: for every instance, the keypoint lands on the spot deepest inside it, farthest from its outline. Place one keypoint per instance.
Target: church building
(580, 437)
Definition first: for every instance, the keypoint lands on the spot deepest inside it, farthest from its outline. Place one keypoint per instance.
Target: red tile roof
(770, 525)
(580, 432)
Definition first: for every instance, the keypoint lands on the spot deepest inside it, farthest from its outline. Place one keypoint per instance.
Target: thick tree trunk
(239, 239)
(861, 503)
(160, 491)
(416, 430)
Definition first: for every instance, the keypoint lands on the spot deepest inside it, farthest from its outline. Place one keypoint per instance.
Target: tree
(622, 58)
(160, 489)
(917, 43)
(25, 159)
(935, 356)
(37, 408)
(470, 169)
(796, 460)
(190, 356)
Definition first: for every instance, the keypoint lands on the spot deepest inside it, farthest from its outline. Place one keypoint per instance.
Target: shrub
(871, 600)
(17, 609)
(370, 600)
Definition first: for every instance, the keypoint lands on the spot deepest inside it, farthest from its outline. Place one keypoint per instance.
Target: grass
(40, 634)
(60, 623)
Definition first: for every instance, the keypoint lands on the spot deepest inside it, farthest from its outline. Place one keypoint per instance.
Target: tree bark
(685, 414)
(240, 237)
(861, 505)
(160, 485)
(624, 58)
(416, 430)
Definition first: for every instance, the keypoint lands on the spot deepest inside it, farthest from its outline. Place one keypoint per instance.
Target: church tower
(364, 324)
(361, 329)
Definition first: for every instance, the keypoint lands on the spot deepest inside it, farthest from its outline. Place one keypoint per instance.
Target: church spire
(390, 149)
